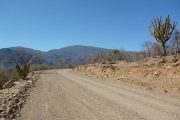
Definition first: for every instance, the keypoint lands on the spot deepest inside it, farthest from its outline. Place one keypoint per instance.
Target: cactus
(23, 72)
(162, 31)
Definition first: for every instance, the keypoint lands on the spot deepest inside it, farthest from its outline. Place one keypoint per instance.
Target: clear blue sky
(49, 24)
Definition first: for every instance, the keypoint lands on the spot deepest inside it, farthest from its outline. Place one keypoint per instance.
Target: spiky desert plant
(162, 31)
(24, 71)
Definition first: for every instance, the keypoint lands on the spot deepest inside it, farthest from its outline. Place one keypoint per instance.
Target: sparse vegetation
(117, 55)
(152, 49)
(175, 42)
(7, 76)
(36, 67)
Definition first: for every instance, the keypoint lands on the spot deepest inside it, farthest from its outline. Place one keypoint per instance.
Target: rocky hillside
(162, 74)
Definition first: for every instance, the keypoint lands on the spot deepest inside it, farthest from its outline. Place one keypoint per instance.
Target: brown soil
(159, 74)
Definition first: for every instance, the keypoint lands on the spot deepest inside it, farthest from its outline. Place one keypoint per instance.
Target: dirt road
(64, 95)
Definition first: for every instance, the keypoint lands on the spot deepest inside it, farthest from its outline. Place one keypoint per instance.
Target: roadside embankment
(160, 74)
(13, 98)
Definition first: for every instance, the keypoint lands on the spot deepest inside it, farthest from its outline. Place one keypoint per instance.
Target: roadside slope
(64, 95)
(156, 74)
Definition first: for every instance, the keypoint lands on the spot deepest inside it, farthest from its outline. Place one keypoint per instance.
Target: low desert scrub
(7, 76)
(37, 67)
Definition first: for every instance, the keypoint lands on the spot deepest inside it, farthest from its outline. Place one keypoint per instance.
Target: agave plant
(23, 71)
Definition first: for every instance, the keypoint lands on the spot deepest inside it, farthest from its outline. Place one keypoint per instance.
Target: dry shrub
(7, 76)
(37, 67)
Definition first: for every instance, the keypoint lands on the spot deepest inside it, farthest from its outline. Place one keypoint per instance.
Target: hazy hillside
(10, 55)
(71, 55)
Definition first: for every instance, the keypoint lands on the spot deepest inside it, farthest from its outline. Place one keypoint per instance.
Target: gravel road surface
(65, 95)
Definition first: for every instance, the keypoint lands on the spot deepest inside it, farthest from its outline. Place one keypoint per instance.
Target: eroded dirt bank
(159, 74)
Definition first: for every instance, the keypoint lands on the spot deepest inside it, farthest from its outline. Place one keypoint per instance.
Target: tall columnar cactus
(162, 31)
(23, 72)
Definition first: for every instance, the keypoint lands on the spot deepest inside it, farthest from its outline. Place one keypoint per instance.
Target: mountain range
(71, 55)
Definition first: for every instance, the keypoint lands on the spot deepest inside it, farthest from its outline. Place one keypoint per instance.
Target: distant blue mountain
(72, 55)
